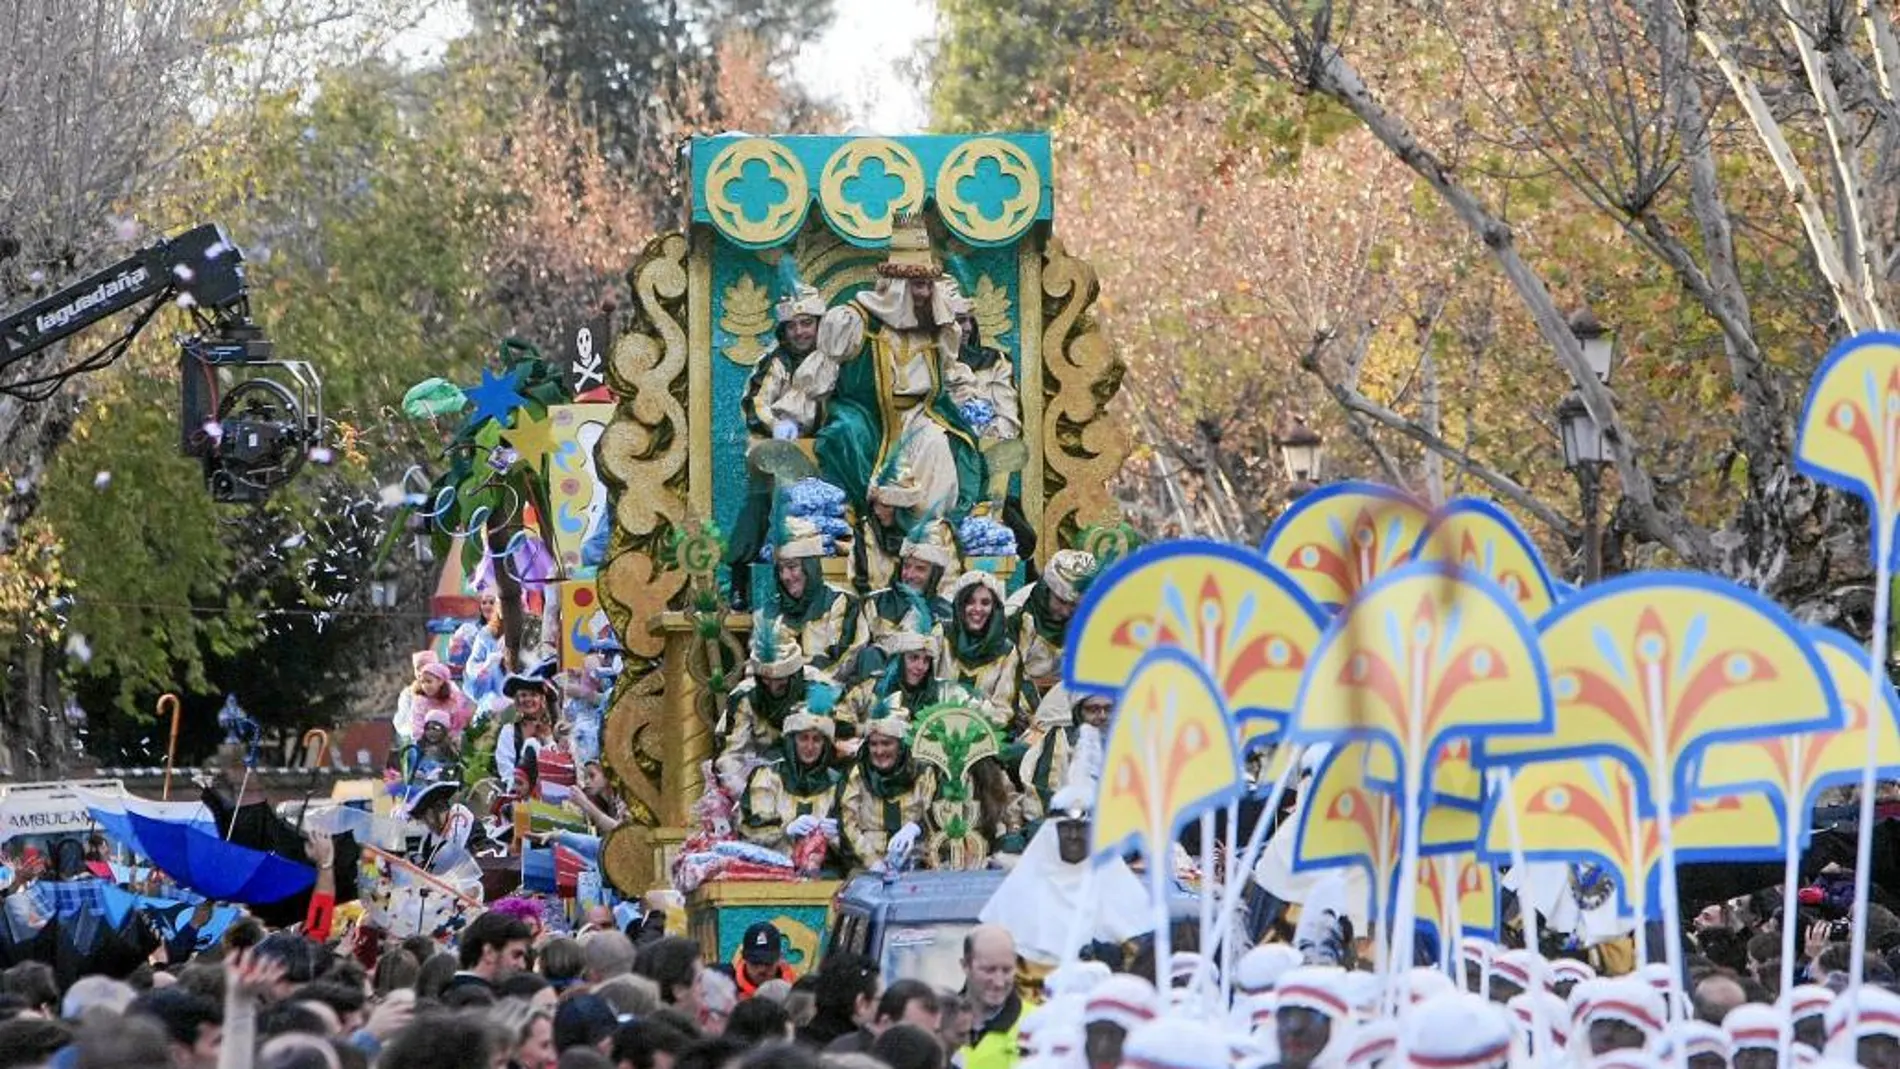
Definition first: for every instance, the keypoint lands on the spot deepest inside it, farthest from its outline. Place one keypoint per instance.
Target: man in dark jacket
(760, 960)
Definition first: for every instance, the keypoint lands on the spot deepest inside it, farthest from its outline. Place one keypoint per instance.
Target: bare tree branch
(1355, 402)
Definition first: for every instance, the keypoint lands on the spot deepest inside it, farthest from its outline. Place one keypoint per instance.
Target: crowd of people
(510, 993)
(514, 993)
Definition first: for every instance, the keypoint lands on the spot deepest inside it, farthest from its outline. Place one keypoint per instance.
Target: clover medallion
(988, 191)
(756, 192)
(866, 184)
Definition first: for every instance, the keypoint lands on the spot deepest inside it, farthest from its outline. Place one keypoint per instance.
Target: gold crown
(910, 255)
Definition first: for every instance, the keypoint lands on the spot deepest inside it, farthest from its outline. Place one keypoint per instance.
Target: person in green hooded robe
(884, 805)
(914, 600)
(1040, 615)
(795, 793)
(982, 657)
(778, 679)
(824, 616)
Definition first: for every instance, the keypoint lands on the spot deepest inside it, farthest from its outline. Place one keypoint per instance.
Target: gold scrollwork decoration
(756, 192)
(866, 183)
(1082, 450)
(642, 458)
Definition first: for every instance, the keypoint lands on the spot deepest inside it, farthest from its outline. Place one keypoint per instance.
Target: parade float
(811, 219)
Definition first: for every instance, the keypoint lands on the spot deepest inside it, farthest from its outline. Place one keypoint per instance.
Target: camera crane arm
(201, 265)
(253, 435)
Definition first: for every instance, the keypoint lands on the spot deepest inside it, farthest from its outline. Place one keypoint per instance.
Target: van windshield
(932, 953)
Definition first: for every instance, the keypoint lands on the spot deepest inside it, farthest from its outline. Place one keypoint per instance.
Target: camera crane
(251, 419)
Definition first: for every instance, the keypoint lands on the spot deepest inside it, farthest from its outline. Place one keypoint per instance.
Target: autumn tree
(1528, 163)
(647, 74)
(397, 223)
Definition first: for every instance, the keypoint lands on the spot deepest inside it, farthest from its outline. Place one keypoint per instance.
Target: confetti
(101, 480)
(79, 649)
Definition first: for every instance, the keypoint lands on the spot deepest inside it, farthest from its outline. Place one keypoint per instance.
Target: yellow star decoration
(533, 439)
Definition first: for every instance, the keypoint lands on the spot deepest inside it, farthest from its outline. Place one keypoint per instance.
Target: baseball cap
(763, 944)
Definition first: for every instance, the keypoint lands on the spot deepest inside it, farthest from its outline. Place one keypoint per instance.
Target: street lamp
(1584, 455)
(1301, 448)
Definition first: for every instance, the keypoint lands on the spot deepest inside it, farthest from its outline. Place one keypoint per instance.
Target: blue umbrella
(195, 857)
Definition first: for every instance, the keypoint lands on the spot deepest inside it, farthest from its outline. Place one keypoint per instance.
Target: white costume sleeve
(405, 720)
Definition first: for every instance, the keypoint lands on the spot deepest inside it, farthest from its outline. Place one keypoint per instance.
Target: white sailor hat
(1879, 1016)
(1124, 999)
(1075, 978)
(1421, 983)
(1568, 971)
(1477, 950)
(1808, 1000)
(1696, 1038)
(1514, 966)
(1321, 988)
(1262, 967)
(1457, 1031)
(1372, 1043)
(1175, 1043)
(1753, 1024)
(1627, 999)
(1524, 1009)
(1183, 964)
(1053, 1028)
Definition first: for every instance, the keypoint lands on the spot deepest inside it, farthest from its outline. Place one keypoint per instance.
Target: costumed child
(778, 679)
(433, 689)
(980, 655)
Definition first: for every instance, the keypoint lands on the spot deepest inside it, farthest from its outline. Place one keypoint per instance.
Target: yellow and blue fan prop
(1248, 625)
(1427, 654)
(1651, 669)
(1335, 541)
(1478, 913)
(1588, 808)
(1648, 671)
(1170, 754)
(1480, 537)
(1850, 428)
(1792, 770)
(1850, 437)
(1347, 819)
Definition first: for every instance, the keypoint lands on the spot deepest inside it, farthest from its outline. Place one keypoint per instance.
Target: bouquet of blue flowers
(978, 413)
(982, 536)
(820, 504)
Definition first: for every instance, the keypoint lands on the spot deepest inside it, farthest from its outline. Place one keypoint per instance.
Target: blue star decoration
(496, 398)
